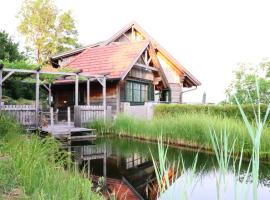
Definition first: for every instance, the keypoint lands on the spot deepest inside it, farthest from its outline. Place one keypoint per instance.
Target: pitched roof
(115, 59)
(157, 46)
(189, 78)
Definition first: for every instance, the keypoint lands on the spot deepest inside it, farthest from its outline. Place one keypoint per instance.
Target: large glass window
(138, 92)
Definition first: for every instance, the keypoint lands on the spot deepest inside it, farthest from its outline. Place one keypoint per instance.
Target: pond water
(119, 158)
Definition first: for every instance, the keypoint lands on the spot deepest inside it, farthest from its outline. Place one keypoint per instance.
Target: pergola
(89, 77)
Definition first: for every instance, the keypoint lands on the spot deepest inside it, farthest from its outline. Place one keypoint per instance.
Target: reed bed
(187, 129)
(39, 167)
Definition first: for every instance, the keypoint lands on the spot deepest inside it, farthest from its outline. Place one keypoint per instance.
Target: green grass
(39, 167)
(190, 129)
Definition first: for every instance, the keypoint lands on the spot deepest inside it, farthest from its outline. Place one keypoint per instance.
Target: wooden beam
(88, 91)
(51, 118)
(146, 67)
(148, 61)
(37, 97)
(76, 90)
(50, 94)
(6, 77)
(48, 88)
(132, 33)
(145, 57)
(126, 37)
(68, 115)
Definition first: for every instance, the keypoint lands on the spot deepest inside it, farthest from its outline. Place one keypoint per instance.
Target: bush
(231, 111)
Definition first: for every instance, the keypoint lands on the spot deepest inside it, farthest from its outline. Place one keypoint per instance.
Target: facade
(138, 71)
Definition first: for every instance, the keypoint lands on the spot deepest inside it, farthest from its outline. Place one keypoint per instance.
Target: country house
(138, 71)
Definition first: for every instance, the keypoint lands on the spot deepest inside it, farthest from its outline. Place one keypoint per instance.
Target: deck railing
(24, 114)
(85, 114)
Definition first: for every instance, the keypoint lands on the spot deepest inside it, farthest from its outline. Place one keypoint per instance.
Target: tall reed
(186, 129)
(40, 167)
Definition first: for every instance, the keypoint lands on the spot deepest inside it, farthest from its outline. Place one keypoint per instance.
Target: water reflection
(130, 162)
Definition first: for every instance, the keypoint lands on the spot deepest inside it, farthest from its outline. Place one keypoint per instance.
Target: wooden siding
(66, 92)
(176, 90)
(141, 74)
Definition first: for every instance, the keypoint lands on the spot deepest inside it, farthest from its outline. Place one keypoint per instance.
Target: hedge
(231, 111)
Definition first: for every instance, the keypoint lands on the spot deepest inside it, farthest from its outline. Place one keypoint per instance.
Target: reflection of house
(138, 70)
(134, 161)
(99, 160)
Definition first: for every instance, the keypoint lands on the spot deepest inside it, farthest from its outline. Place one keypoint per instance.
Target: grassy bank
(186, 129)
(36, 167)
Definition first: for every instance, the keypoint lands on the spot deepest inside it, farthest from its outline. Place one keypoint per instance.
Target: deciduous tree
(9, 49)
(244, 84)
(46, 29)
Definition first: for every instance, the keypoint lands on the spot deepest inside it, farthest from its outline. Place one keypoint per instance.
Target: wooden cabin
(137, 68)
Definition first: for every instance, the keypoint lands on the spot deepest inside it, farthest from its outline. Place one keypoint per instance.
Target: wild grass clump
(39, 167)
(188, 129)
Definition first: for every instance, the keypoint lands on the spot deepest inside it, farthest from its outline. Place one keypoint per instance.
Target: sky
(208, 37)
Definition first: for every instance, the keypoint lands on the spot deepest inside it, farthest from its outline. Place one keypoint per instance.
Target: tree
(244, 84)
(46, 30)
(9, 49)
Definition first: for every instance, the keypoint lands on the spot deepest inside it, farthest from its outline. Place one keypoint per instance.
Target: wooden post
(89, 169)
(51, 117)
(50, 94)
(76, 90)
(1, 85)
(104, 98)
(88, 91)
(37, 97)
(68, 115)
(77, 116)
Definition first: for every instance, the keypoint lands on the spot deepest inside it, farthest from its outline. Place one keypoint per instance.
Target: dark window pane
(136, 92)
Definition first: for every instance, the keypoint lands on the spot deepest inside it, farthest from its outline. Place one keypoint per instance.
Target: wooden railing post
(51, 117)
(104, 98)
(88, 91)
(77, 116)
(68, 115)
(37, 97)
(76, 90)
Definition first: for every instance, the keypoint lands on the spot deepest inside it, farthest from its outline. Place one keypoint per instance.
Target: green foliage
(39, 166)
(231, 111)
(190, 129)
(21, 64)
(9, 49)
(244, 84)
(46, 30)
(8, 179)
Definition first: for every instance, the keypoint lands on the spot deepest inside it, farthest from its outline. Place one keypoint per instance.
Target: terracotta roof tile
(114, 59)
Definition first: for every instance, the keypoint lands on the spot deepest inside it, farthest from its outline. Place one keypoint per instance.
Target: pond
(129, 160)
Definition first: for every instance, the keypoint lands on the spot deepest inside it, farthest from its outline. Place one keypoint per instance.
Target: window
(166, 95)
(138, 92)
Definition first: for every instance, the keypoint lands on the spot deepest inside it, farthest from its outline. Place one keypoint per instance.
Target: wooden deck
(119, 188)
(69, 132)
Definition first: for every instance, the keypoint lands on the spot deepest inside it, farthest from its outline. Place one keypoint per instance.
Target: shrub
(231, 111)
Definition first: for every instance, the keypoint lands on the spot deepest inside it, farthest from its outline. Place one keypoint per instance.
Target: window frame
(144, 91)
